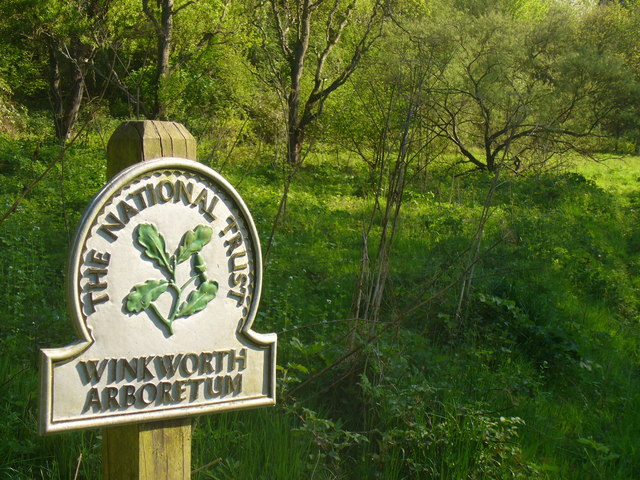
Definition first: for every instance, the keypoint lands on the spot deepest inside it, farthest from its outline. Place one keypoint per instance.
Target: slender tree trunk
(74, 101)
(54, 90)
(65, 107)
(294, 134)
(164, 45)
(164, 34)
(374, 272)
(476, 246)
(295, 130)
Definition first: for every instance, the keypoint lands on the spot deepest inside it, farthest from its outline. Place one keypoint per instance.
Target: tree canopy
(515, 81)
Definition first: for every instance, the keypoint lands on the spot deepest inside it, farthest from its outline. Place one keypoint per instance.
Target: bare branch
(281, 30)
(318, 96)
(182, 7)
(332, 37)
(152, 18)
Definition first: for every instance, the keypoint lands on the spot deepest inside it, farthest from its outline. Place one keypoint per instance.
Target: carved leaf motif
(200, 266)
(142, 295)
(198, 299)
(154, 245)
(193, 241)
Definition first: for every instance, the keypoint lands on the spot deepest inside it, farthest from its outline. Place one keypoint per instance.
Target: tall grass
(260, 445)
(537, 378)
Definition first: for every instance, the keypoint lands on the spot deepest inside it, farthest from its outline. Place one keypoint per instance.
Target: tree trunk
(65, 107)
(54, 90)
(74, 99)
(296, 59)
(294, 144)
(164, 46)
(164, 33)
(294, 135)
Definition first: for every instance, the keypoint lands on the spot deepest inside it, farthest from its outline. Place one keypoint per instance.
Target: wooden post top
(141, 140)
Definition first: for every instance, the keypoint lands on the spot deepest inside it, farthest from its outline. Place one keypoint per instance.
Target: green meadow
(535, 374)
(447, 195)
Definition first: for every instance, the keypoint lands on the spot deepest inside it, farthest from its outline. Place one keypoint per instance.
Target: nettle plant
(143, 296)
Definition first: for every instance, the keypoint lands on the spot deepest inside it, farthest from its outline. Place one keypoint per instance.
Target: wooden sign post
(131, 451)
(163, 286)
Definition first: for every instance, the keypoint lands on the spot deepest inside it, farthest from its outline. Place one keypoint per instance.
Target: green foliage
(9, 113)
(540, 363)
(262, 444)
(530, 374)
(501, 322)
(433, 435)
(34, 245)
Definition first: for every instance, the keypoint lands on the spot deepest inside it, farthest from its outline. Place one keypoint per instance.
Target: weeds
(537, 380)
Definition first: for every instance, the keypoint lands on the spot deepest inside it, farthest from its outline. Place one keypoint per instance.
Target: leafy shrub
(11, 115)
(429, 435)
(501, 322)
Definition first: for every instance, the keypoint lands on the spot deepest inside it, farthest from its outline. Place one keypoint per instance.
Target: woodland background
(448, 198)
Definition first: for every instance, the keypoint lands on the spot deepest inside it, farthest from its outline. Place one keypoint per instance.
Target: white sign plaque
(163, 286)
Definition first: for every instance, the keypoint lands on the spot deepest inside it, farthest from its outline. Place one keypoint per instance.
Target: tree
(610, 31)
(394, 142)
(58, 35)
(517, 92)
(70, 54)
(162, 17)
(325, 37)
(312, 36)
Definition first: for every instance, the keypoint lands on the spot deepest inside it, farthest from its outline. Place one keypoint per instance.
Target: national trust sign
(163, 286)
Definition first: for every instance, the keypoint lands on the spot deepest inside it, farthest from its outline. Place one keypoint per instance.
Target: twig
(394, 323)
(318, 324)
(288, 179)
(10, 379)
(370, 340)
(204, 467)
(75, 477)
(26, 190)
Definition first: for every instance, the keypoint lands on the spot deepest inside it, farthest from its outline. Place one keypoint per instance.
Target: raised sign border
(60, 355)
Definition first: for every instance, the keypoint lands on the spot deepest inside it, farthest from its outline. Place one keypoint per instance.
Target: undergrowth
(533, 376)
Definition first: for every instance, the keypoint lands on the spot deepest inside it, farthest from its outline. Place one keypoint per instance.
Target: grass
(616, 174)
(258, 444)
(537, 379)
